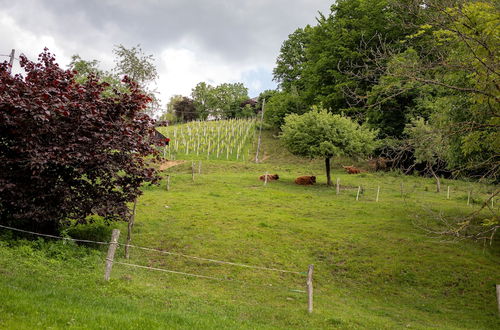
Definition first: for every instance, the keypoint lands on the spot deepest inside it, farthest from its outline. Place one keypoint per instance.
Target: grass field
(374, 269)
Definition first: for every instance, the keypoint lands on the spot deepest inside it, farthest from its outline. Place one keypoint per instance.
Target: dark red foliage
(67, 151)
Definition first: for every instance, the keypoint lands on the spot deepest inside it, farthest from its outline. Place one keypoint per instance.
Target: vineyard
(211, 140)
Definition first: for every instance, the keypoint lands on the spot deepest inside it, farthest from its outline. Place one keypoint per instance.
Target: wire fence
(162, 252)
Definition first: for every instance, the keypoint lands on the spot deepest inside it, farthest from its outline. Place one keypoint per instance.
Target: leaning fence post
(129, 229)
(310, 288)
(357, 195)
(468, 198)
(111, 253)
(378, 192)
(338, 186)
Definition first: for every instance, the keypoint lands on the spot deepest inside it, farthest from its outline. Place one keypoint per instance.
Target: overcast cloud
(192, 40)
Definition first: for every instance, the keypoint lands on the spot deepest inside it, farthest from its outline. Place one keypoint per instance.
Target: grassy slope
(373, 267)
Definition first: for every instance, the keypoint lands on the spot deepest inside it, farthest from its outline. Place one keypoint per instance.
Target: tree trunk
(328, 177)
(438, 181)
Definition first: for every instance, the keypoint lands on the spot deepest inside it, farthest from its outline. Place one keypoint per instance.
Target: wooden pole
(129, 229)
(498, 297)
(468, 198)
(448, 193)
(357, 195)
(111, 253)
(192, 171)
(310, 288)
(260, 131)
(378, 193)
(168, 182)
(338, 186)
(11, 61)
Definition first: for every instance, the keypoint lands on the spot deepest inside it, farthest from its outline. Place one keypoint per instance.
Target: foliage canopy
(66, 150)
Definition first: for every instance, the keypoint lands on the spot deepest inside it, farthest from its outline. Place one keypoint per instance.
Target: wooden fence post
(448, 193)
(378, 192)
(357, 195)
(168, 182)
(310, 288)
(338, 186)
(498, 297)
(468, 198)
(129, 229)
(192, 171)
(111, 253)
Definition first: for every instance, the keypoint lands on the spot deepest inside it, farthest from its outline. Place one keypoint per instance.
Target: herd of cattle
(308, 180)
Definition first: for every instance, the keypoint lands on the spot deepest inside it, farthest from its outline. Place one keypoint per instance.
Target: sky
(215, 41)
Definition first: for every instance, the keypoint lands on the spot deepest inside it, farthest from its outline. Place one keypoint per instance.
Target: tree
(185, 110)
(203, 98)
(83, 69)
(67, 151)
(291, 60)
(228, 98)
(223, 101)
(319, 133)
(429, 145)
(452, 64)
(281, 105)
(169, 114)
(133, 63)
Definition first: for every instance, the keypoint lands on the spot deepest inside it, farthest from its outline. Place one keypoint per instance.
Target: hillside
(374, 267)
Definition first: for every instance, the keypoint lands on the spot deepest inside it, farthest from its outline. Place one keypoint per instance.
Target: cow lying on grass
(270, 177)
(352, 169)
(305, 180)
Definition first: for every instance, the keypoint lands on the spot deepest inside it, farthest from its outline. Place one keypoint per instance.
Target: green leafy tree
(223, 101)
(135, 64)
(291, 60)
(228, 98)
(204, 100)
(429, 145)
(185, 110)
(84, 69)
(452, 63)
(140, 68)
(320, 134)
(280, 105)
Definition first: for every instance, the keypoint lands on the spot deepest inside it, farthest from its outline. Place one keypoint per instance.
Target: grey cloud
(238, 31)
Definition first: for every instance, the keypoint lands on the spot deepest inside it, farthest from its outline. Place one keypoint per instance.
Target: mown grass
(374, 268)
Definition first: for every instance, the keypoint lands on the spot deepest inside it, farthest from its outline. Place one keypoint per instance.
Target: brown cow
(352, 169)
(305, 180)
(270, 177)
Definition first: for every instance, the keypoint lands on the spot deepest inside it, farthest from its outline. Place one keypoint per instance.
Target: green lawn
(374, 268)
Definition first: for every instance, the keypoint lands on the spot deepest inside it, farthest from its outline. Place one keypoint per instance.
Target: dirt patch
(170, 163)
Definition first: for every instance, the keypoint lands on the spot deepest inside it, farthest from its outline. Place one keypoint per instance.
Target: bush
(66, 150)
